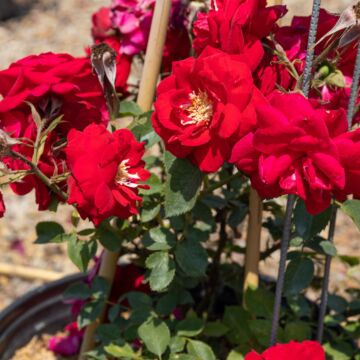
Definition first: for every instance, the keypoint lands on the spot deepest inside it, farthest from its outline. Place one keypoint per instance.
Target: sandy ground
(64, 26)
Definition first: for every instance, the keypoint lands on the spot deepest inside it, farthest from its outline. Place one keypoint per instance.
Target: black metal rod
(326, 279)
(328, 259)
(291, 198)
(310, 47)
(354, 89)
(282, 268)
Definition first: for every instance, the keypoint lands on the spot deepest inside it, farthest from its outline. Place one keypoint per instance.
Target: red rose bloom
(348, 145)
(102, 26)
(237, 27)
(292, 151)
(57, 84)
(306, 350)
(2, 205)
(204, 107)
(49, 165)
(105, 172)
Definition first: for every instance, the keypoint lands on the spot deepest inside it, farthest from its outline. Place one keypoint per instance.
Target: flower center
(200, 109)
(123, 177)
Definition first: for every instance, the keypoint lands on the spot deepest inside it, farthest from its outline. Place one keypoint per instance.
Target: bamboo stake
(31, 273)
(146, 94)
(252, 257)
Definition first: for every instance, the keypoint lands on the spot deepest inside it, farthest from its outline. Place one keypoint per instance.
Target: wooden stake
(146, 95)
(31, 273)
(252, 257)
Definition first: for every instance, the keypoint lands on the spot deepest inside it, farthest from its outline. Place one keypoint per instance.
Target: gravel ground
(64, 26)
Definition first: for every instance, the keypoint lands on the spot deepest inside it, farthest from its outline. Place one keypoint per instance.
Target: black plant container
(38, 312)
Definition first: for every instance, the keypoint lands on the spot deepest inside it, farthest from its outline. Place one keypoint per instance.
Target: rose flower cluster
(104, 167)
(225, 105)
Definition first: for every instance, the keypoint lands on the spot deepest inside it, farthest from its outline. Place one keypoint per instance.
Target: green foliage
(200, 350)
(159, 239)
(162, 270)
(298, 276)
(307, 226)
(182, 187)
(50, 232)
(352, 209)
(81, 252)
(156, 335)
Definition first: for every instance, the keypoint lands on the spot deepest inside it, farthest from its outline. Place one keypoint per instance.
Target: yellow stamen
(123, 177)
(200, 111)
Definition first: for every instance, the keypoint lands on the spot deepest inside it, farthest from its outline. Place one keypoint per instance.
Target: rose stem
(253, 238)
(146, 94)
(331, 234)
(291, 198)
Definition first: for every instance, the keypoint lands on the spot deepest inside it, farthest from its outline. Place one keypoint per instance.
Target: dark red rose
(348, 145)
(106, 169)
(2, 205)
(237, 27)
(292, 151)
(204, 107)
(309, 350)
(56, 84)
(50, 164)
(102, 26)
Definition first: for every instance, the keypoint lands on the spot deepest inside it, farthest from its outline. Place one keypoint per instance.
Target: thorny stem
(354, 89)
(40, 174)
(211, 188)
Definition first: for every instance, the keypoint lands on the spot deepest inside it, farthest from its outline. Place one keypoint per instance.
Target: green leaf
(114, 312)
(177, 344)
(108, 332)
(238, 215)
(259, 302)
(261, 329)
(139, 299)
(81, 252)
(190, 327)
(234, 355)
(156, 336)
(162, 270)
(149, 211)
(352, 209)
(130, 108)
(90, 312)
(298, 276)
(215, 329)
(328, 247)
(337, 351)
(200, 350)
(297, 331)
(191, 257)
(156, 186)
(182, 187)
(121, 352)
(237, 320)
(49, 232)
(108, 238)
(79, 290)
(142, 129)
(337, 303)
(307, 226)
(183, 357)
(159, 239)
